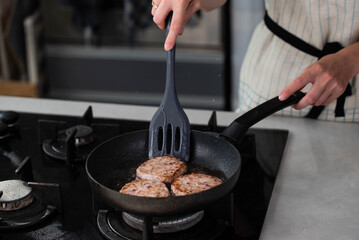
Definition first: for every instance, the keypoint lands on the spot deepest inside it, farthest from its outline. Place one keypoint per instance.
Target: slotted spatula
(169, 132)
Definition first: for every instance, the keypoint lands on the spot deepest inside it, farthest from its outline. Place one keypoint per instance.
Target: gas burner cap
(15, 195)
(82, 135)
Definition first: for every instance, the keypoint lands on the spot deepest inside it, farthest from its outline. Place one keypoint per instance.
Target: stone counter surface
(316, 195)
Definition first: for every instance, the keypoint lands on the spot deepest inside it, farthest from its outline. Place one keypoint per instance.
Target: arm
(329, 77)
(182, 11)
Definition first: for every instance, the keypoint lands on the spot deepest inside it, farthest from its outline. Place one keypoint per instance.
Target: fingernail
(282, 96)
(167, 47)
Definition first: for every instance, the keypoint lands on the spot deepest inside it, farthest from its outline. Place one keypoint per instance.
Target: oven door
(109, 61)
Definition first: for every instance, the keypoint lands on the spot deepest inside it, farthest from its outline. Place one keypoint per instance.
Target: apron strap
(298, 43)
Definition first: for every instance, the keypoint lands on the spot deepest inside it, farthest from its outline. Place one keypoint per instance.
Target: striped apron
(271, 63)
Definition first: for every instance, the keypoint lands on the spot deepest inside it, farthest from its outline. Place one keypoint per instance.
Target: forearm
(209, 5)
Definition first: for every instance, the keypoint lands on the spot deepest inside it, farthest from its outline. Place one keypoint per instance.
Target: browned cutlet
(193, 183)
(164, 169)
(146, 188)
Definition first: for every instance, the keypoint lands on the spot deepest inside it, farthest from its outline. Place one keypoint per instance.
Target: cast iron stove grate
(76, 215)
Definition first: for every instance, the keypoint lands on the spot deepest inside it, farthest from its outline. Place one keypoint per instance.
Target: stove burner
(64, 144)
(164, 225)
(66, 212)
(82, 135)
(33, 214)
(15, 195)
(54, 149)
(113, 226)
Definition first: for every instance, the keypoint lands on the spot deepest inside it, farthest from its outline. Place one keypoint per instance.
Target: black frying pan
(113, 163)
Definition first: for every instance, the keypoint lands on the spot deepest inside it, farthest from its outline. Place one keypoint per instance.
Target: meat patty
(164, 169)
(192, 183)
(146, 188)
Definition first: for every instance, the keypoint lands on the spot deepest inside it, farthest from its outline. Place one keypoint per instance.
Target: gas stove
(45, 194)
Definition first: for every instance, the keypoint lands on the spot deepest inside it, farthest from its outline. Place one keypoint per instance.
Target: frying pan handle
(237, 129)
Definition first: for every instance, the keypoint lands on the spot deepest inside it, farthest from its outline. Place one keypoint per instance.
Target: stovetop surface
(75, 217)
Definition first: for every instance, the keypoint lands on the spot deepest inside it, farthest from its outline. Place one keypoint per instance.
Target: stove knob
(9, 117)
(3, 129)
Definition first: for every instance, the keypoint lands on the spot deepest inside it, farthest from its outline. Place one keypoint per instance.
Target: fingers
(311, 98)
(192, 8)
(159, 17)
(315, 96)
(180, 18)
(326, 86)
(160, 13)
(319, 95)
(155, 5)
(333, 92)
(182, 11)
(175, 28)
(297, 84)
(330, 99)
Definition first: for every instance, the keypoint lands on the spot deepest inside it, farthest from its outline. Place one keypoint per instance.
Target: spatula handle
(170, 96)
